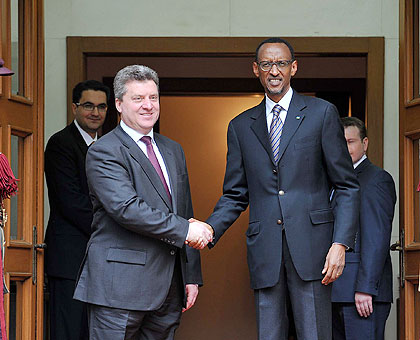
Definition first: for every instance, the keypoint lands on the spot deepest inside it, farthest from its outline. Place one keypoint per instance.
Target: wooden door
(21, 140)
(409, 321)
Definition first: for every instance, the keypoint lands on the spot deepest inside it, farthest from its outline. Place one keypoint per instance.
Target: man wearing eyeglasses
(283, 156)
(69, 225)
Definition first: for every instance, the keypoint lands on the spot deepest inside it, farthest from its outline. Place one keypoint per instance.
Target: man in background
(69, 225)
(362, 296)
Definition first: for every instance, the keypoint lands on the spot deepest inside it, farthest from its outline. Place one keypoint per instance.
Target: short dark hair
(353, 121)
(89, 85)
(275, 41)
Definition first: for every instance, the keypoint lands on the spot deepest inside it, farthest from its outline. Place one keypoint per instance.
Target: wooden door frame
(32, 103)
(409, 121)
(79, 48)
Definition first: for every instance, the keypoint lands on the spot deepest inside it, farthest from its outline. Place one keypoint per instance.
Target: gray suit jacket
(136, 231)
(294, 194)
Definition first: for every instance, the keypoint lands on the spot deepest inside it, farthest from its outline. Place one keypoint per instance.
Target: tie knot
(146, 139)
(276, 109)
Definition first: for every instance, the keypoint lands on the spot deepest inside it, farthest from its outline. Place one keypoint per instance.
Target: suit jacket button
(274, 171)
(279, 221)
(281, 192)
(172, 252)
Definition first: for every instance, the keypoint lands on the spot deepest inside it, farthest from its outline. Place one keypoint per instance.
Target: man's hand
(198, 234)
(208, 226)
(363, 303)
(334, 263)
(192, 293)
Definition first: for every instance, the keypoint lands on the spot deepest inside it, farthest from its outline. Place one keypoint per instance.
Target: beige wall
(224, 18)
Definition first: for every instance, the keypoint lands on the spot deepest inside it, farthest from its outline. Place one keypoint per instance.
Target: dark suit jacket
(69, 225)
(368, 268)
(137, 233)
(293, 194)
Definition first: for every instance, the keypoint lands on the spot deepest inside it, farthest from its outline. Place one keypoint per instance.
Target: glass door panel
(15, 310)
(416, 191)
(17, 19)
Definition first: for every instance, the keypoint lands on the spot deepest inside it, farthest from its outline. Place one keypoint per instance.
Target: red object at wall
(8, 182)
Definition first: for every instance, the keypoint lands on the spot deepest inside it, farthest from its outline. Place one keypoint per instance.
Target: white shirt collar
(284, 102)
(135, 135)
(359, 161)
(87, 138)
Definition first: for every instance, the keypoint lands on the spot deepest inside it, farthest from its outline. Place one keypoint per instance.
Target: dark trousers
(349, 325)
(68, 317)
(106, 323)
(310, 302)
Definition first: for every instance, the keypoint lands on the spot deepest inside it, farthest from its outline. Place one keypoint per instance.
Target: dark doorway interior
(347, 94)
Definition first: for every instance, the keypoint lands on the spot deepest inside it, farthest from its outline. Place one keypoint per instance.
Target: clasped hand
(199, 234)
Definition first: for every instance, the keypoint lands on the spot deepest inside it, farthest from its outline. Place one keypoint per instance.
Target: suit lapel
(294, 118)
(81, 144)
(259, 126)
(362, 166)
(144, 162)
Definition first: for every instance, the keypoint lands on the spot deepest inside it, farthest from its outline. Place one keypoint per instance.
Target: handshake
(199, 234)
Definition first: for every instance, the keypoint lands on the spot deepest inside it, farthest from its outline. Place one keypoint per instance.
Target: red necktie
(153, 159)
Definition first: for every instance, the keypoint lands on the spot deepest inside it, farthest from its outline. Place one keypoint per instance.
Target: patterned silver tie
(275, 131)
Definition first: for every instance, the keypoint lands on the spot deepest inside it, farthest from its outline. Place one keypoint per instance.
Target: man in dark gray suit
(362, 296)
(283, 156)
(137, 273)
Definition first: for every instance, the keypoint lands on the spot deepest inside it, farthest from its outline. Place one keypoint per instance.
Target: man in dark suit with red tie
(69, 224)
(283, 156)
(362, 296)
(138, 275)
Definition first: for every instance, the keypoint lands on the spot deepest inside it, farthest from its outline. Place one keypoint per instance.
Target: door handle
(35, 248)
(399, 246)
(396, 246)
(40, 246)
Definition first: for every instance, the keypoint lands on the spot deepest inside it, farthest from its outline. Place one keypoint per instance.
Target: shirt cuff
(347, 247)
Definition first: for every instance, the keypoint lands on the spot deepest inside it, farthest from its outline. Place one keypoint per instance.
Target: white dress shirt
(136, 136)
(88, 139)
(355, 165)
(284, 103)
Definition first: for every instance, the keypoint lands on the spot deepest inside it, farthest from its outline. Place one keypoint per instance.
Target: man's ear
(365, 144)
(256, 69)
(118, 105)
(294, 68)
(73, 108)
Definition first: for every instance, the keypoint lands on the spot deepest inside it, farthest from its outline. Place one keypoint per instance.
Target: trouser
(68, 317)
(349, 325)
(310, 302)
(106, 323)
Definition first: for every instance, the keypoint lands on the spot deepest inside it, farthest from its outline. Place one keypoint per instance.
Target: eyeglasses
(90, 107)
(267, 65)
